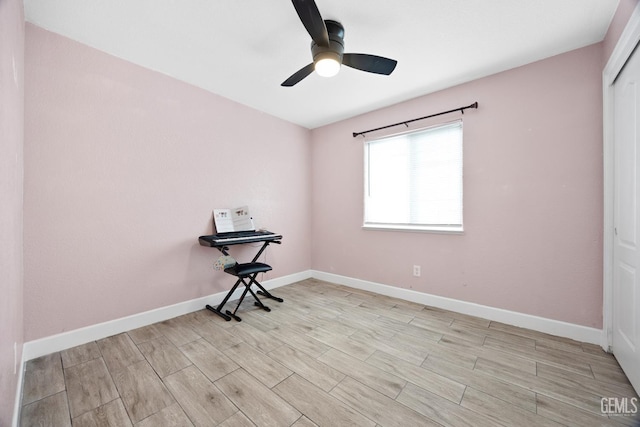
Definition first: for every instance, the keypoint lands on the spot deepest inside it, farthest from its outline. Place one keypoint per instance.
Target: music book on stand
(233, 220)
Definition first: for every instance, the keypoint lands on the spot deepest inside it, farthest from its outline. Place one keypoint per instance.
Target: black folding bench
(245, 272)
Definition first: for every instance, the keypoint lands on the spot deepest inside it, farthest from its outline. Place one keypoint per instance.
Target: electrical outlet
(416, 270)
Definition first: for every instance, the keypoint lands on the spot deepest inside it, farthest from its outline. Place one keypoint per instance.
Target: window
(413, 181)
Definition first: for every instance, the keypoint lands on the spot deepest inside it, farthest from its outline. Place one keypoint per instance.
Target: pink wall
(532, 195)
(620, 19)
(11, 180)
(123, 167)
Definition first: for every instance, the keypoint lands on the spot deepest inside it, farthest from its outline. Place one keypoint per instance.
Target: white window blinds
(414, 180)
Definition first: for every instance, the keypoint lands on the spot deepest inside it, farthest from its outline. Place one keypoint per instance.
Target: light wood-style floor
(328, 356)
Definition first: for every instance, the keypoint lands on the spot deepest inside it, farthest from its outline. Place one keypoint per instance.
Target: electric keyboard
(236, 238)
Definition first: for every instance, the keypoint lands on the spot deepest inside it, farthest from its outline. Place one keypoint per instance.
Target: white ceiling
(244, 49)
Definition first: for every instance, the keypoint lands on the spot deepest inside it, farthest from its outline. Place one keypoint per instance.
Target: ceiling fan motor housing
(336, 43)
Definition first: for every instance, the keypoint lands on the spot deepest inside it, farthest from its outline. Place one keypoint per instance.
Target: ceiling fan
(327, 47)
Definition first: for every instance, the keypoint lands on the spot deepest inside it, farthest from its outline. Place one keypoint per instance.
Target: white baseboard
(63, 341)
(540, 324)
(43, 346)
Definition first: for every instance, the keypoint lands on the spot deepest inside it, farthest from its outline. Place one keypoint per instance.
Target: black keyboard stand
(246, 274)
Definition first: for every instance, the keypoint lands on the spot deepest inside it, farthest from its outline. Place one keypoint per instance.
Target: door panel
(626, 255)
(626, 318)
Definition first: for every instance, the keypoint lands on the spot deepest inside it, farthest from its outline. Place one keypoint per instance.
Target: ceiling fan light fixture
(327, 64)
(327, 48)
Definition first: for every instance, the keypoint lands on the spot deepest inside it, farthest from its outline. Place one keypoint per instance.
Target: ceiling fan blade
(312, 21)
(298, 75)
(369, 63)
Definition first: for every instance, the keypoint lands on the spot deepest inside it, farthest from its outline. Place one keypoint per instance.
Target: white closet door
(626, 250)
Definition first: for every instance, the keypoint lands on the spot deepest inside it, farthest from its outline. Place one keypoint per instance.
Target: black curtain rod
(406, 123)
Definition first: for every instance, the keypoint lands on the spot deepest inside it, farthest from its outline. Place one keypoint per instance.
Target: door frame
(621, 53)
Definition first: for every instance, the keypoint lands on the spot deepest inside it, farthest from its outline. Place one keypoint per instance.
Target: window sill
(415, 228)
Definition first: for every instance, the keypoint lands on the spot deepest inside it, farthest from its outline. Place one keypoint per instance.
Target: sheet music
(229, 220)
